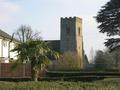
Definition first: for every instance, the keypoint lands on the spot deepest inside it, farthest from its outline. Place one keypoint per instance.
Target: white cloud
(7, 9)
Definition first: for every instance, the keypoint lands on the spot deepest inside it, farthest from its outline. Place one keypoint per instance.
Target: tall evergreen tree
(109, 22)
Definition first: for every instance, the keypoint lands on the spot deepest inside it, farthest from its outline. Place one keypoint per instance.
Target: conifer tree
(109, 22)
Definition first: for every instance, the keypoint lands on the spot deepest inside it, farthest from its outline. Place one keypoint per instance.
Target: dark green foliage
(105, 60)
(78, 73)
(35, 52)
(101, 61)
(109, 22)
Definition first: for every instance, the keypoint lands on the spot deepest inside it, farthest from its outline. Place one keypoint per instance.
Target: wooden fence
(21, 71)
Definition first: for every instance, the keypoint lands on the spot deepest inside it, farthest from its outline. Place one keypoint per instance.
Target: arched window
(67, 30)
(79, 31)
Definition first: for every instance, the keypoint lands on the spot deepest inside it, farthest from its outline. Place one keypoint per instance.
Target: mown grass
(106, 84)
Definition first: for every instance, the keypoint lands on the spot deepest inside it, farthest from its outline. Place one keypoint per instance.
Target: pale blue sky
(44, 16)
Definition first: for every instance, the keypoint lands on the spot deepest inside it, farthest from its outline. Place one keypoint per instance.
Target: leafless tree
(25, 33)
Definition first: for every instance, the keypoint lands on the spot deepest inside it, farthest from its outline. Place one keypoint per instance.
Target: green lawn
(106, 84)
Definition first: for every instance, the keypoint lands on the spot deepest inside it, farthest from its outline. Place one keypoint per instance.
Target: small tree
(35, 52)
(32, 49)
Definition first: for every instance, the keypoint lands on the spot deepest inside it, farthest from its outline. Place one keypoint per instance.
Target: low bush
(68, 61)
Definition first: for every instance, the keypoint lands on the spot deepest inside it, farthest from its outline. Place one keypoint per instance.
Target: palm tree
(37, 53)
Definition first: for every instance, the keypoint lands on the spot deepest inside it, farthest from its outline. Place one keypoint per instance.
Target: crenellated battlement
(71, 19)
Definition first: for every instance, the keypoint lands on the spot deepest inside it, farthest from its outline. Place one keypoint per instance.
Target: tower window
(68, 30)
(79, 31)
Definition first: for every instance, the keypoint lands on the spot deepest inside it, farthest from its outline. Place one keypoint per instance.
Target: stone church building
(71, 38)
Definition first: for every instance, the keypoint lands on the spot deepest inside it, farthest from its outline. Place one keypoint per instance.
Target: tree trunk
(36, 75)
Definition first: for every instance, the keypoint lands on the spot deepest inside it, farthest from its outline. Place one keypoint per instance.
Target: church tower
(71, 36)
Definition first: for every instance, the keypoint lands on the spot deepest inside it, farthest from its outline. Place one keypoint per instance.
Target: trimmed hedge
(67, 74)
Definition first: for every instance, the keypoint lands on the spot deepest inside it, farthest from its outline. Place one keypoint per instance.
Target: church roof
(6, 35)
(54, 44)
